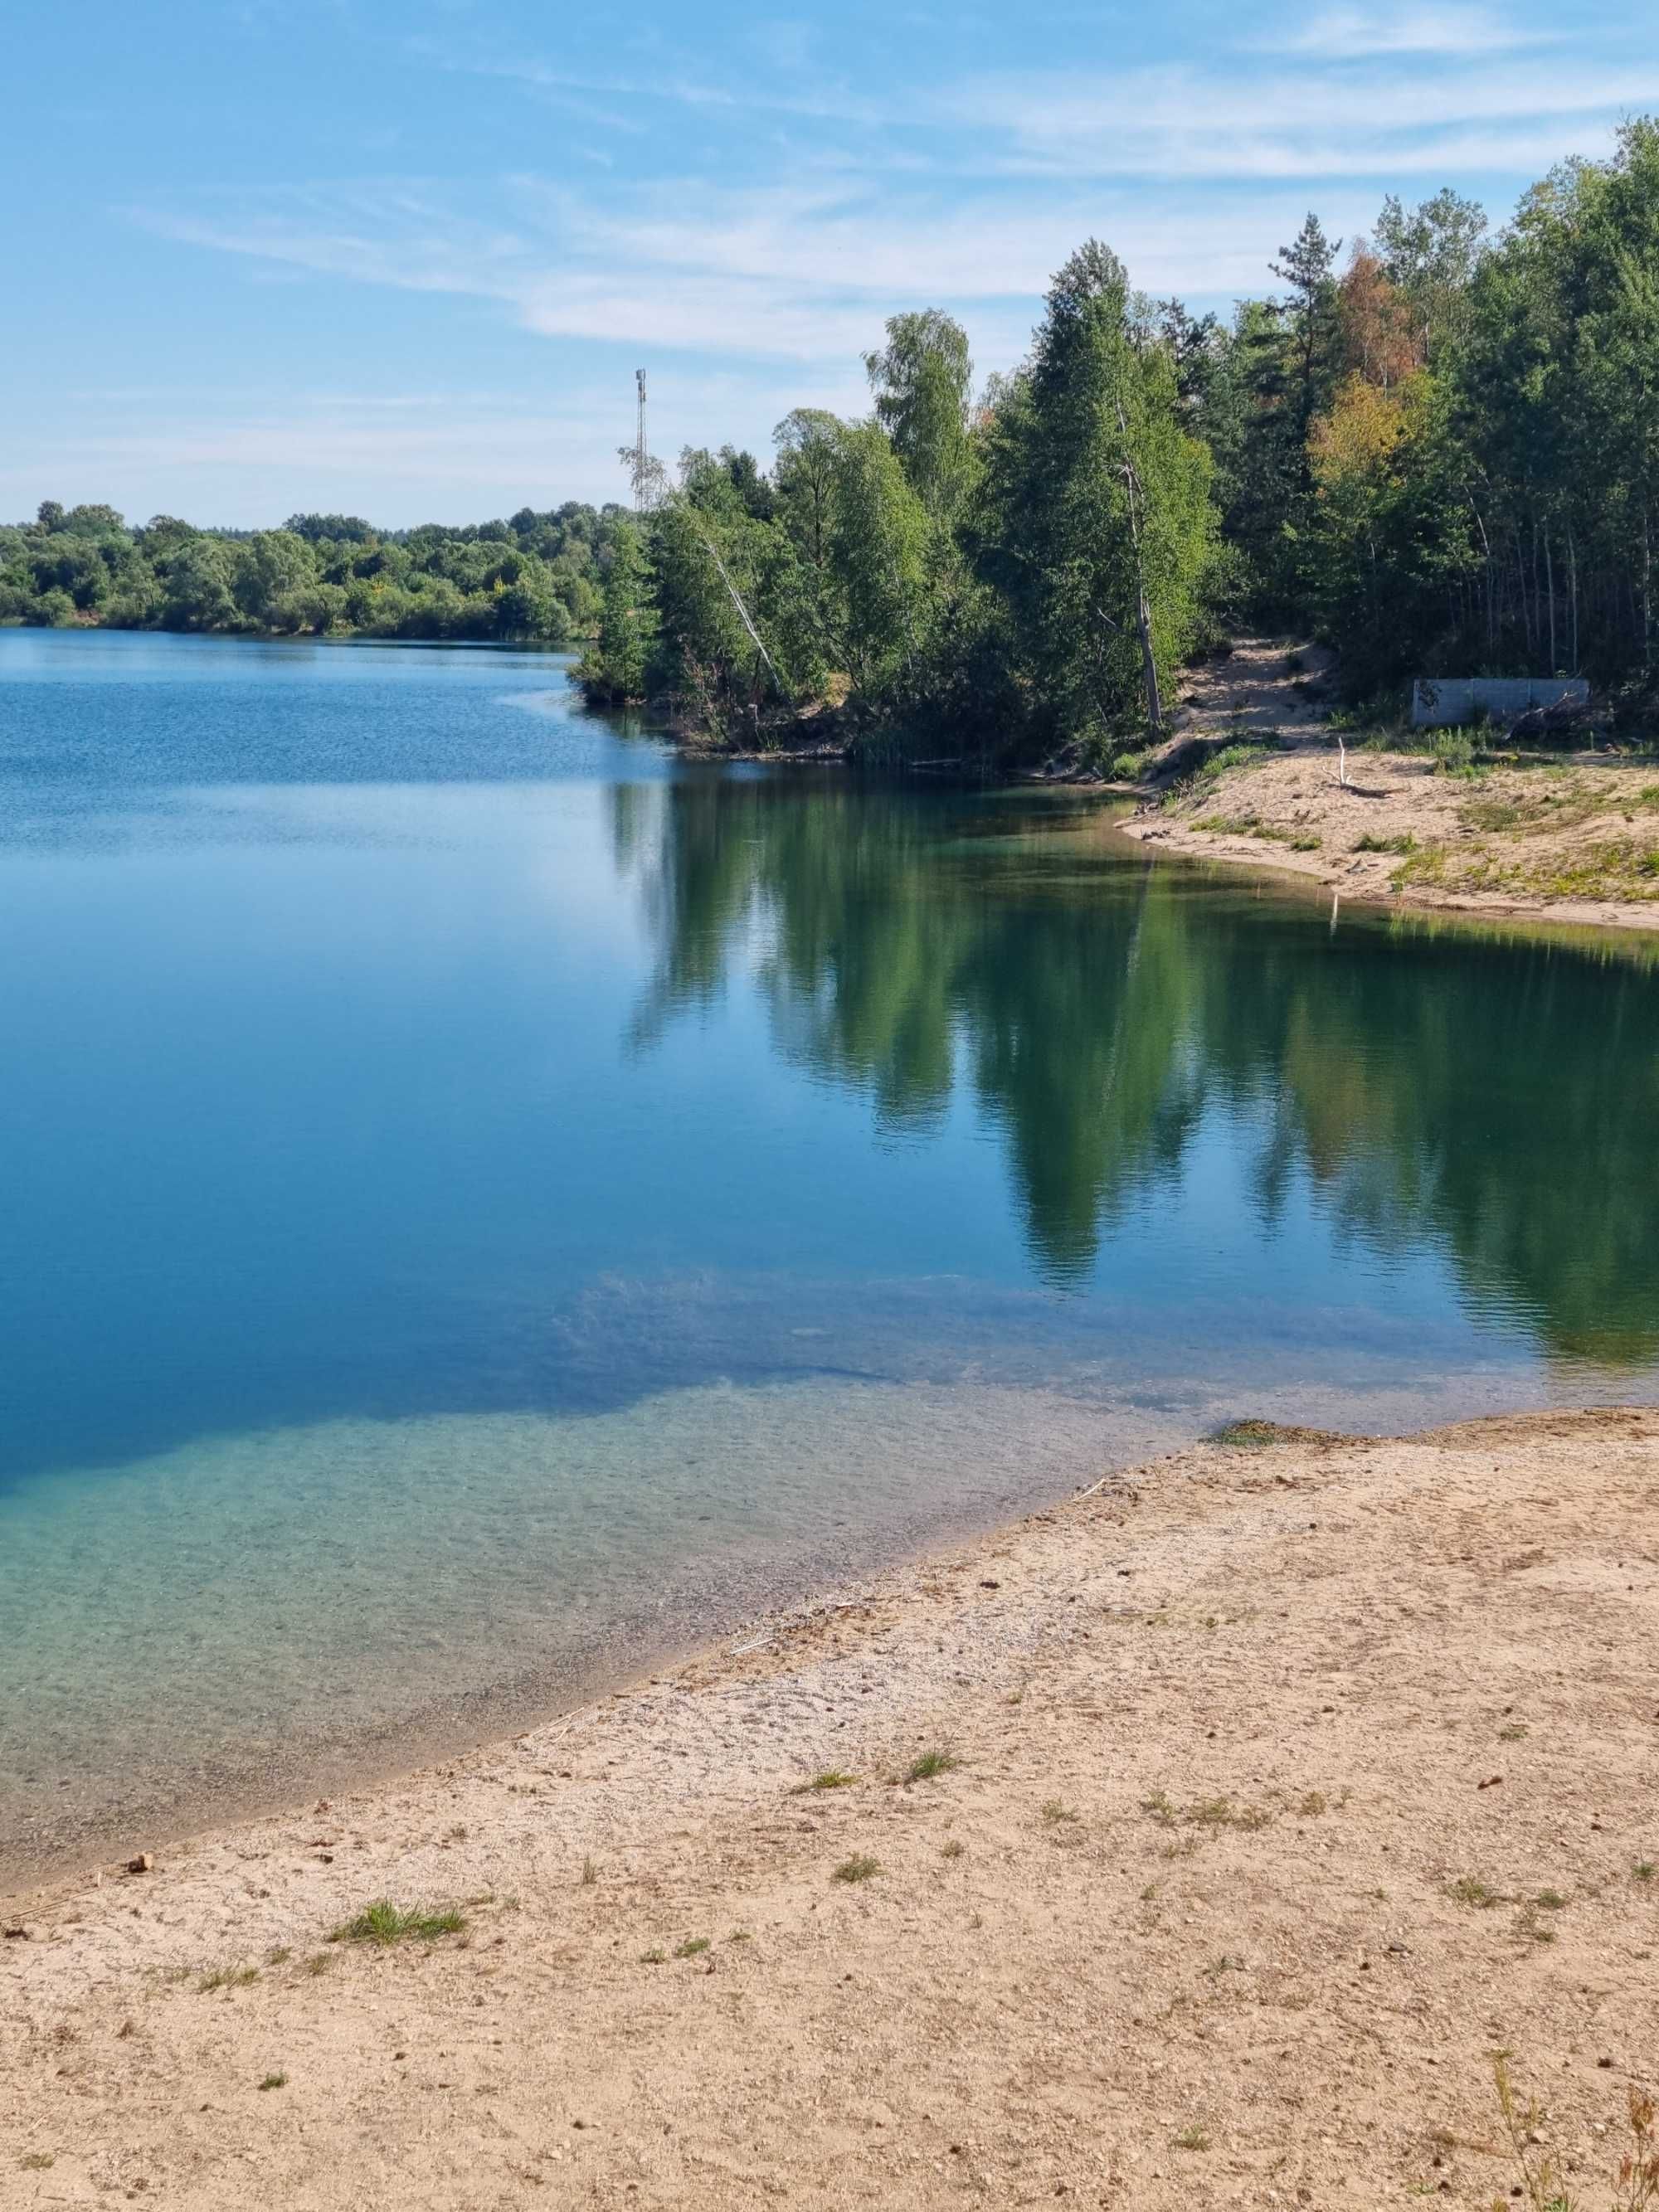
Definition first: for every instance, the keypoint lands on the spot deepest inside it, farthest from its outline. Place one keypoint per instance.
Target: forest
(1435, 447)
(536, 577)
(1438, 450)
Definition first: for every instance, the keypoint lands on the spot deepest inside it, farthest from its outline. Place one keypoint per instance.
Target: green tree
(921, 379)
(614, 667)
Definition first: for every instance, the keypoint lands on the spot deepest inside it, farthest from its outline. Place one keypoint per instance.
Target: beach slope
(1254, 1801)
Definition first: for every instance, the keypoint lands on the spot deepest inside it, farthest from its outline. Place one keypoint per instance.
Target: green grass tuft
(383, 1923)
(859, 1868)
(832, 1778)
(927, 1763)
(275, 2082)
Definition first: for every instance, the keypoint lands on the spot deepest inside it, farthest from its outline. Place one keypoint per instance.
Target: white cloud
(1351, 33)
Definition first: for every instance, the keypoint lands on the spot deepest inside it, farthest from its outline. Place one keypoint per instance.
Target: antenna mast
(641, 451)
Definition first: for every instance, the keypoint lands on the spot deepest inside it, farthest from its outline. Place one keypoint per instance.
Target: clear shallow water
(480, 1201)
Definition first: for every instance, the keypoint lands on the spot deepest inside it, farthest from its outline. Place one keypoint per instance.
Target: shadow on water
(1496, 1099)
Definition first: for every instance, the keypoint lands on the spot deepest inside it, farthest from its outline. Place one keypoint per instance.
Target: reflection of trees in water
(1498, 1099)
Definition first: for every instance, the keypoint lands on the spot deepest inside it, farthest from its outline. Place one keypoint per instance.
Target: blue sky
(268, 254)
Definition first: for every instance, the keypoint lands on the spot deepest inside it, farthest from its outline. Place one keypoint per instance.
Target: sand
(1292, 1782)
(1572, 841)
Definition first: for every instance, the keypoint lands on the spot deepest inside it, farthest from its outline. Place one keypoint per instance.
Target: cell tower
(641, 451)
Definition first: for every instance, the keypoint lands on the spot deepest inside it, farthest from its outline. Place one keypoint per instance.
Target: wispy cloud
(1354, 33)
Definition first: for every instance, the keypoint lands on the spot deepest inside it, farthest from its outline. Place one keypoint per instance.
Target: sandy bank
(1574, 842)
(1293, 1781)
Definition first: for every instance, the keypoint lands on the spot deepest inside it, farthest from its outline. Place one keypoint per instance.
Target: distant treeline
(534, 576)
(1438, 451)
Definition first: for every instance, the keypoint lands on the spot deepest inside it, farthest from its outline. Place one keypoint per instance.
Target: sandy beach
(1257, 1797)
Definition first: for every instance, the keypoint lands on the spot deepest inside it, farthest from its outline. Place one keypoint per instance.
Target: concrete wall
(1438, 705)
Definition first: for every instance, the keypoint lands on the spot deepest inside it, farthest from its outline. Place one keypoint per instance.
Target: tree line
(535, 576)
(1439, 452)
(1438, 449)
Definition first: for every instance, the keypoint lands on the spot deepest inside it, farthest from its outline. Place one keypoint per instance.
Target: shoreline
(1258, 1765)
(1399, 837)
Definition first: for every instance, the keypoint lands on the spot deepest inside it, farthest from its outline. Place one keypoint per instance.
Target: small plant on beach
(228, 1977)
(693, 1948)
(590, 1872)
(1204, 1813)
(832, 1778)
(1472, 1890)
(383, 1923)
(1512, 1732)
(275, 2082)
(1245, 1436)
(1400, 845)
(1195, 2137)
(1643, 1870)
(37, 2161)
(1541, 2186)
(953, 1850)
(859, 1868)
(1058, 1815)
(279, 1957)
(320, 1962)
(656, 1956)
(1551, 1900)
(927, 1763)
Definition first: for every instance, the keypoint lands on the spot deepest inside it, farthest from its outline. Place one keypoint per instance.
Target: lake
(484, 1203)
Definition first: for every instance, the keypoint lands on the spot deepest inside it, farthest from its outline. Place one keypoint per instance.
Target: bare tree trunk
(1549, 585)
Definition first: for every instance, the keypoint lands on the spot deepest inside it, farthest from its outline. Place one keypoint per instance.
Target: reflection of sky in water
(472, 1190)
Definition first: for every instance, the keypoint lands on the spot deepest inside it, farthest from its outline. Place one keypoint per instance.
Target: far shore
(1197, 1840)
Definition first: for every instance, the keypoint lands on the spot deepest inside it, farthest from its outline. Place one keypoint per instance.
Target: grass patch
(590, 1872)
(1402, 844)
(228, 1977)
(1425, 864)
(953, 1850)
(832, 1778)
(275, 2082)
(383, 1923)
(1246, 1435)
(1643, 1870)
(1195, 2137)
(859, 1868)
(37, 2161)
(1057, 1814)
(279, 1957)
(656, 1956)
(320, 1962)
(1551, 1900)
(1477, 1893)
(1513, 1733)
(1311, 1806)
(928, 1764)
(1204, 1813)
(693, 1948)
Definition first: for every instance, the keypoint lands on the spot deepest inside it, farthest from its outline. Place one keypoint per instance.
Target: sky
(402, 260)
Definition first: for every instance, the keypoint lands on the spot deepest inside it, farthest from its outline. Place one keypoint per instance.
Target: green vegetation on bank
(537, 576)
(1440, 455)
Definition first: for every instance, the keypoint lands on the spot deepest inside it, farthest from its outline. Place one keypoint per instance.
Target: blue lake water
(482, 1202)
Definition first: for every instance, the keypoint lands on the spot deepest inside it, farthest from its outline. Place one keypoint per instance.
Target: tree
(614, 667)
(1430, 253)
(1098, 527)
(1308, 266)
(921, 379)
